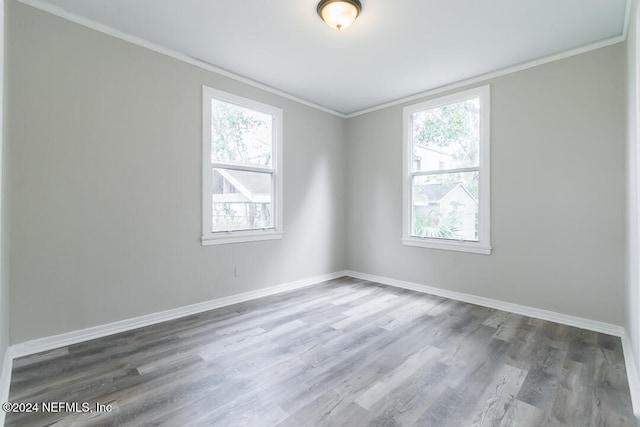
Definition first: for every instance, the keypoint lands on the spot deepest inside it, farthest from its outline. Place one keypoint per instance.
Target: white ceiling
(395, 49)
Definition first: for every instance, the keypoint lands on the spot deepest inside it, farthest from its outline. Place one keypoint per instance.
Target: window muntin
(242, 185)
(446, 195)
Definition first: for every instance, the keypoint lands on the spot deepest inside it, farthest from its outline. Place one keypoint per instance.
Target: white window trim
(483, 246)
(237, 236)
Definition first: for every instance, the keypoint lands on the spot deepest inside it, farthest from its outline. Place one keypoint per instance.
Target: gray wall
(4, 252)
(105, 147)
(557, 195)
(633, 200)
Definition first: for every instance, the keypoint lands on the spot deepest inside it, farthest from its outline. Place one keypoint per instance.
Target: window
(242, 169)
(446, 193)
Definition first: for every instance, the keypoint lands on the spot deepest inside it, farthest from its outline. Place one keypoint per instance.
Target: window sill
(472, 247)
(240, 237)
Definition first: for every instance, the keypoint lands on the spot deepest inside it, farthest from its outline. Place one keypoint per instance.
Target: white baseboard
(632, 374)
(579, 322)
(5, 381)
(74, 337)
(538, 313)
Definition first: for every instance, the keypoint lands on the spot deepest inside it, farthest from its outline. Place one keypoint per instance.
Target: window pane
(447, 137)
(240, 135)
(241, 200)
(445, 206)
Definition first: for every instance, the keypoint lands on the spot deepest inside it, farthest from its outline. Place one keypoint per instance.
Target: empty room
(320, 213)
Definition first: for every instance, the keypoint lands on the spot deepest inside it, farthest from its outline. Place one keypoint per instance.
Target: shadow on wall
(310, 223)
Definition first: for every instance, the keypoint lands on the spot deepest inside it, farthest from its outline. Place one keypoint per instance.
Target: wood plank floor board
(343, 353)
(396, 377)
(498, 394)
(406, 404)
(351, 375)
(571, 396)
(543, 378)
(456, 404)
(523, 415)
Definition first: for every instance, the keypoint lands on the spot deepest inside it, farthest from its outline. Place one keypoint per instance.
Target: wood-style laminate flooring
(344, 353)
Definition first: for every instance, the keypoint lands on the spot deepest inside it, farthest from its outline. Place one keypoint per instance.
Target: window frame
(209, 237)
(483, 245)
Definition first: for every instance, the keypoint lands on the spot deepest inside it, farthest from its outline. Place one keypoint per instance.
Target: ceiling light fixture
(339, 14)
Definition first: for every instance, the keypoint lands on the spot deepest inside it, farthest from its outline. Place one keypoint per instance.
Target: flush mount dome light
(339, 14)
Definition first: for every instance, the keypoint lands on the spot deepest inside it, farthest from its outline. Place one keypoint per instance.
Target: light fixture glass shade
(339, 14)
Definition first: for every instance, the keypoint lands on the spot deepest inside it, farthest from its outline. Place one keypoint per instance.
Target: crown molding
(61, 13)
(483, 78)
(85, 22)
